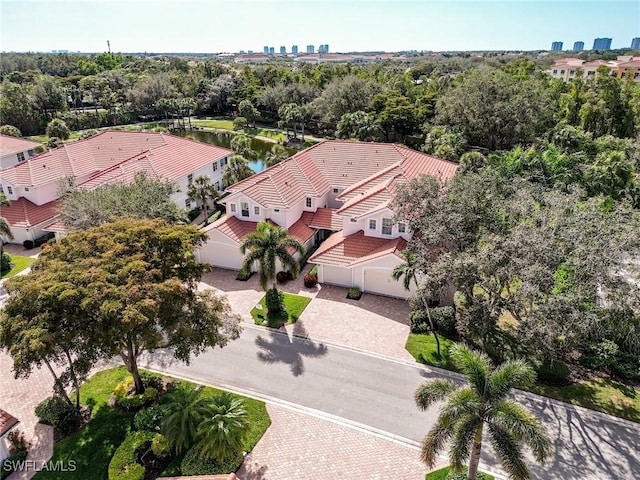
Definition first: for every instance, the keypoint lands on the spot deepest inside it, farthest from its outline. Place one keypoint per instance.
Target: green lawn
(19, 263)
(222, 123)
(442, 473)
(294, 306)
(602, 395)
(93, 447)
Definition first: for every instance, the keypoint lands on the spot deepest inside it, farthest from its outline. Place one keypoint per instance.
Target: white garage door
(336, 275)
(221, 255)
(379, 281)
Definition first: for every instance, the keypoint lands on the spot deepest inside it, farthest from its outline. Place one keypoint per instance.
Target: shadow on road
(279, 348)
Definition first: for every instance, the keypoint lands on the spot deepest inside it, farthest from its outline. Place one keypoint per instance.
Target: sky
(210, 26)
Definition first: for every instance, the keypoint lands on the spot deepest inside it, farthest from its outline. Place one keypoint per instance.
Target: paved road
(378, 392)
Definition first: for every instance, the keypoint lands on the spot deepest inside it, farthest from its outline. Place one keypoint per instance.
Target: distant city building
(272, 50)
(266, 49)
(578, 46)
(310, 49)
(635, 43)
(250, 52)
(283, 50)
(294, 49)
(556, 47)
(602, 44)
(326, 48)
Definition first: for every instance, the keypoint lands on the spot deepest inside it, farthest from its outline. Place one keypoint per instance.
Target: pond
(221, 139)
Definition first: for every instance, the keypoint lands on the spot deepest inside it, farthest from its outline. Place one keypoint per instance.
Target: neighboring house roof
(24, 214)
(327, 219)
(170, 157)
(7, 422)
(10, 145)
(349, 250)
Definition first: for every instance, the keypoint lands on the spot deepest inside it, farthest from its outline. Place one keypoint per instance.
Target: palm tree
(275, 155)
(267, 245)
(202, 190)
(237, 169)
(466, 410)
(5, 229)
(408, 271)
(222, 429)
(185, 408)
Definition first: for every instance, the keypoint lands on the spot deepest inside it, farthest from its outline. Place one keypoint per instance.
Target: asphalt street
(378, 392)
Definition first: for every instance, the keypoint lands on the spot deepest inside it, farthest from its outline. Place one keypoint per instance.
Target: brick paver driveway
(374, 323)
(302, 447)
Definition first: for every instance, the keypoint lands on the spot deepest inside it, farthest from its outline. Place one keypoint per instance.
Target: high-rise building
(310, 49)
(635, 43)
(326, 48)
(283, 50)
(294, 49)
(578, 46)
(266, 49)
(272, 50)
(602, 44)
(556, 47)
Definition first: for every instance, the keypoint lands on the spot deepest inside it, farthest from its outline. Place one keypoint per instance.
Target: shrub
(553, 372)
(627, 367)
(444, 319)
(134, 402)
(274, 300)
(150, 418)
(10, 131)
(314, 271)
(54, 142)
(310, 281)
(9, 464)
(463, 476)
(239, 123)
(88, 133)
(123, 388)
(193, 214)
(5, 262)
(160, 446)
(57, 128)
(243, 275)
(151, 380)
(58, 413)
(418, 322)
(123, 464)
(354, 293)
(43, 239)
(193, 464)
(601, 354)
(28, 244)
(282, 277)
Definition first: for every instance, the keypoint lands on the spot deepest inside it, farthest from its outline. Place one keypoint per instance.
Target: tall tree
(483, 403)
(236, 169)
(266, 246)
(275, 155)
(203, 191)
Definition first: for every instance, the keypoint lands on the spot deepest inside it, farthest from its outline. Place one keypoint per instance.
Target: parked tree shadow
(291, 351)
(252, 471)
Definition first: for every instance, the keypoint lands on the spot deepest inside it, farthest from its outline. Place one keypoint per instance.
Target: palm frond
(431, 392)
(461, 403)
(513, 374)
(474, 365)
(509, 452)
(434, 442)
(462, 441)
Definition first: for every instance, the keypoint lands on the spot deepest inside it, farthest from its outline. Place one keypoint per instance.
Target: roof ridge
(364, 181)
(66, 151)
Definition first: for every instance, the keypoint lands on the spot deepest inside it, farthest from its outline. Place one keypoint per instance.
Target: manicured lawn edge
(441, 474)
(92, 448)
(602, 395)
(294, 305)
(19, 263)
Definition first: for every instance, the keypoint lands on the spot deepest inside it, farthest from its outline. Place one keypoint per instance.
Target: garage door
(336, 275)
(221, 255)
(379, 281)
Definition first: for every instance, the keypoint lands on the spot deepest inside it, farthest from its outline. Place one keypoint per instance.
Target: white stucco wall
(220, 251)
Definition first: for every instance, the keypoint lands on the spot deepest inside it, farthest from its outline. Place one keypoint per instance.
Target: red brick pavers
(19, 398)
(298, 446)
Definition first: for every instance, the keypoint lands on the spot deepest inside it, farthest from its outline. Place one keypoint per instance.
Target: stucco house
(15, 150)
(7, 423)
(33, 186)
(336, 194)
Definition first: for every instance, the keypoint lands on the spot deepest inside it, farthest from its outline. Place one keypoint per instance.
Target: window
(190, 179)
(233, 207)
(335, 190)
(26, 189)
(256, 210)
(218, 186)
(555, 72)
(636, 75)
(223, 162)
(402, 227)
(31, 152)
(386, 226)
(308, 202)
(20, 156)
(571, 72)
(215, 166)
(244, 209)
(589, 74)
(9, 190)
(372, 225)
(187, 203)
(561, 72)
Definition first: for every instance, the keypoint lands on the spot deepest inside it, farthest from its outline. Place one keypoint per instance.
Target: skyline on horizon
(198, 26)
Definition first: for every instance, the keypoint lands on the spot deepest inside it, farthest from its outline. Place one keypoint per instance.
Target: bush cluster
(310, 281)
(443, 319)
(274, 300)
(553, 372)
(193, 464)
(5, 262)
(150, 418)
(123, 464)
(243, 275)
(134, 402)
(284, 277)
(354, 293)
(58, 413)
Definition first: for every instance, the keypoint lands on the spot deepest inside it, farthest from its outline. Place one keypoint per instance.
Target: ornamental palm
(236, 169)
(222, 429)
(466, 410)
(267, 245)
(185, 408)
(5, 230)
(203, 190)
(408, 271)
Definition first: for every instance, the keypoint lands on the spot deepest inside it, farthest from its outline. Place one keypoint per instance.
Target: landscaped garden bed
(294, 305)
(93, 448)
(446, 474)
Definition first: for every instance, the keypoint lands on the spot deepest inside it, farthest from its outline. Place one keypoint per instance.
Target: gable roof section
(10, 145)
(356, 248)
(327, 219)
(301, 229)
(7, 422)
(237, 229)
(24, 214)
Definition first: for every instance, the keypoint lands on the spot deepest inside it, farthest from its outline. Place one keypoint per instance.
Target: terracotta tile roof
(326, 218)
(233, 228)
(7, 422)
(10, 145)
(57, 226)
(301, 229)
(356, 248)
(373, 200)
(170, 156)
(24, 214)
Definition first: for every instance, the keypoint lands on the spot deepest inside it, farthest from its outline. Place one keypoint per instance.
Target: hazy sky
(346, 25)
